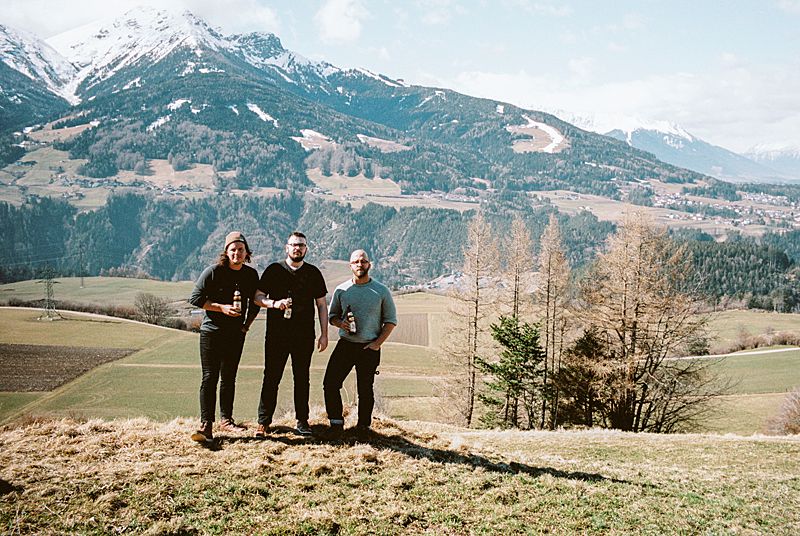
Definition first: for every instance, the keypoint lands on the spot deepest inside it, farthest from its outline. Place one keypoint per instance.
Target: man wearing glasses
(363, 310)
(290, 290)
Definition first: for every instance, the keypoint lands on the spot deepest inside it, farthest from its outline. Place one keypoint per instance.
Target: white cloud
(230, 15)
(438, 12)
(339, 21)
(382, 53)
(554, 9)
(633, 21)
(235, 16)
(731, 106)
(568, 37)
(616, 47)
(582, 68)
(792, 6)
(630, 22)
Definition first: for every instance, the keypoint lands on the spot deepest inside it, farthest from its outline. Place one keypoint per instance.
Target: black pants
(220, 352)
(345, 356)
(276, 352)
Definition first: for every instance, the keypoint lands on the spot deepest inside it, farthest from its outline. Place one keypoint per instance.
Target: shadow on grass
(402, 444)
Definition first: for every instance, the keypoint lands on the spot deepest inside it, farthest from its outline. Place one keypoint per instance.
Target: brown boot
(204, 433)
(229, 425)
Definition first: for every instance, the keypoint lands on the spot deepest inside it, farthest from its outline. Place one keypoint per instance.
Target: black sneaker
(334, 432)
(203, 434)
(363, 433)
(303, 428)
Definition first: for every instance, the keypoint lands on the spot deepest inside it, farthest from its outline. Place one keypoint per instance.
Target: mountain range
(157, 84)
(672, 143)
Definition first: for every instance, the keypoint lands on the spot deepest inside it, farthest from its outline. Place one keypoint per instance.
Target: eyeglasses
(297, 245)
(362, 261)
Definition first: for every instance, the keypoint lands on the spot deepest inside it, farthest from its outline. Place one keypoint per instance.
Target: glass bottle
(237, 299)
(287, 313)
(350, 318)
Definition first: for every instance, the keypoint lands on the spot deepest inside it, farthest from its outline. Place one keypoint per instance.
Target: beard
(297, 257)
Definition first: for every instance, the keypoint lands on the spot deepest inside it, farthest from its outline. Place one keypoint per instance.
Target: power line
(49, 312)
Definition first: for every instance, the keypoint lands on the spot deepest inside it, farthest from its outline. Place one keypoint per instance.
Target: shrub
(151, 308)
(788, 419)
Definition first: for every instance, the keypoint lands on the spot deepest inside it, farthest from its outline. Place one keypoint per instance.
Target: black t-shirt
(217, 284)
(306, 284)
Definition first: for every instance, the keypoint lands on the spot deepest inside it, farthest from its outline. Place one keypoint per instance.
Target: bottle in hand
(287, 313)
(350, 318)
(237, 300)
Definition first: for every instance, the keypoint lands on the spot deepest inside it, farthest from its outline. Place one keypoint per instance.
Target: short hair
(298, 234)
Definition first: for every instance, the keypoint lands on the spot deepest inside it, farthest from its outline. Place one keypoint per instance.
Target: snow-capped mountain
(130, 48)
(264, 51)
(32, 79)
(783, 158)
(142, 36)
(29, 55)
(161, 85)
(672, 143)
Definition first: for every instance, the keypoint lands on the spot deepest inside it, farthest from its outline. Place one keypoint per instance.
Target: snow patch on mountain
(158, 122)
(311, 139)
(379, 77)
(264, 116)
(436, 93)
(136, 82)
(174, 105)
(534, 129)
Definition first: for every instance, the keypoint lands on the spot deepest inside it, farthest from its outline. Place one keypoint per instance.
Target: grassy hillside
(100, 477)
(727, 327)
(160, 380)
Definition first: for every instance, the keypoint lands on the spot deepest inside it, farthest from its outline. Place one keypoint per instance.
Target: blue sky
(728, 72)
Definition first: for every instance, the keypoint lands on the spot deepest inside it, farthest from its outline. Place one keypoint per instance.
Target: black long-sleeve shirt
(217, 284)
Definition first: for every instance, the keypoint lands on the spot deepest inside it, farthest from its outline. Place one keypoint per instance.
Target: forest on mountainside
(141, 236)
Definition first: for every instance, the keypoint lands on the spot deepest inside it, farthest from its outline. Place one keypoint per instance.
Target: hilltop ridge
(138, 476)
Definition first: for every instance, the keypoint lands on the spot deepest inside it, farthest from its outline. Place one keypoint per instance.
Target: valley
(48, 172)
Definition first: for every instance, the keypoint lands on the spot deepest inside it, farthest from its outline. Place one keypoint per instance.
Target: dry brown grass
(137, 476)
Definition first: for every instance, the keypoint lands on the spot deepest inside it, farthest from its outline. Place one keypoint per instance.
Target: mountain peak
(26, 53)
(101, 48)
(627, 125)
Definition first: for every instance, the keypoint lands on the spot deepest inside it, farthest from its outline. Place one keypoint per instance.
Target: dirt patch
(384, 146)
(33, 367)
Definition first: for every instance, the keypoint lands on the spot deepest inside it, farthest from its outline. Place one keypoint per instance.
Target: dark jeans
(220, 352)
(345, 356)
(276, 352)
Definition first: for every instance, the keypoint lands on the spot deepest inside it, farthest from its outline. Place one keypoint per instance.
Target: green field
(102, 290)
(728, 327)
(161, 379)
(761, 379)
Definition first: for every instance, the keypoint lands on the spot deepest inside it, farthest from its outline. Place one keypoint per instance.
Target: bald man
(369, 305)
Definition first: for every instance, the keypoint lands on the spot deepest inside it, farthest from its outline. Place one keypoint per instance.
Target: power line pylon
(49, 312)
